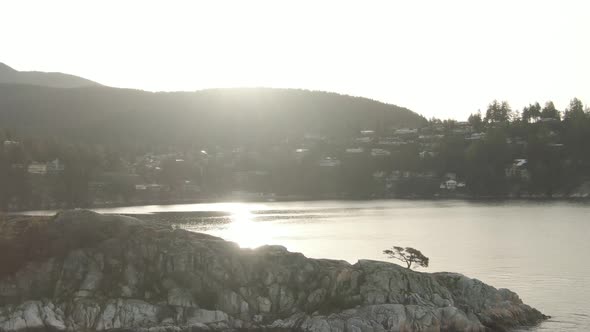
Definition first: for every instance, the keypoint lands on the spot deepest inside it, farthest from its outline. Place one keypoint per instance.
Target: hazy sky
(438, 58)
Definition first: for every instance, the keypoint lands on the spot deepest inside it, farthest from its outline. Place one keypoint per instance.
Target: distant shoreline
(304, 199)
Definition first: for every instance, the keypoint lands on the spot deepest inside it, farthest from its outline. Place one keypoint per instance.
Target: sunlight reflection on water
(243, 230)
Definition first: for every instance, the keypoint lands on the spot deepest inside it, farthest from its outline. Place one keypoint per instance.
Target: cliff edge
(82, 271)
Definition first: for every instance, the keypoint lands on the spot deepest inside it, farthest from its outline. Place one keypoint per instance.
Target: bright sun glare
(244, 230)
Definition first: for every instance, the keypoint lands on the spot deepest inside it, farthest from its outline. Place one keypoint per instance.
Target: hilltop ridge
(9, 75)
(218, 116)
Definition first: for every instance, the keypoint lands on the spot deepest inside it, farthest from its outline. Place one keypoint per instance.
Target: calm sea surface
(541, 250)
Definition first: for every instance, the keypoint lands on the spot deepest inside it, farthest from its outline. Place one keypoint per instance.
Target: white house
(451, 184)
(37, 168)
(54, 166)
(354, 150)
(476, 136)
(380, 153)
(329, 162)
(406, 131)
(367, 132)
(518, 169)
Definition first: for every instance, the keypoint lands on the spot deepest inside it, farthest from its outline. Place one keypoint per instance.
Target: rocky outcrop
(82, 271)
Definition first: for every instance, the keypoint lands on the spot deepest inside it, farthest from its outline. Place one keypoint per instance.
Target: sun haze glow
(244, 230)
(438, 58)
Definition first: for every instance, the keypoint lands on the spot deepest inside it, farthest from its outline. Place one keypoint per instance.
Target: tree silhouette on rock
(407, 255)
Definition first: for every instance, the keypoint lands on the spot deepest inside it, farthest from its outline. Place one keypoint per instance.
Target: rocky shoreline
(82, 271)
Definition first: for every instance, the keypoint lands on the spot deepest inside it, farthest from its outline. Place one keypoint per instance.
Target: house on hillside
(37, 168)
(367, 133)
(329, 162)
(451, 182)
(462, 127)
(8, 145)
(449, 185)
(476, 137)
(41, 168)
(391, 141)
(518, 170)
(406, 131)
(380, 153)
(300, 153)
(150, 187)
(313, 137)
(354, 150)
(426, 154)
(364, 139)
(452, 185)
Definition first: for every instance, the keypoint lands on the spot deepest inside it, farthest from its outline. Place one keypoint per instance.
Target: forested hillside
(97, 146)
(219, 117)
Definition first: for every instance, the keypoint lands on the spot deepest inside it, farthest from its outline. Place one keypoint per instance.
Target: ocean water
(540, 250)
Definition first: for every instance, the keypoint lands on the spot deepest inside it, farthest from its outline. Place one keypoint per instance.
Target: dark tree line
(554, 143)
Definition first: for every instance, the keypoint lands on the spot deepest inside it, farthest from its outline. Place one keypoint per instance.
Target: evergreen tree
(476, 121)
(498, 112)
(531, 113)
(575, 111)
(549, 111)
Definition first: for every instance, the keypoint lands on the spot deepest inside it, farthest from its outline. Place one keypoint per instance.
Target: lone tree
(407, 255)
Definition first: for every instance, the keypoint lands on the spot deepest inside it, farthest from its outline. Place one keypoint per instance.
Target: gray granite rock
(82, 271)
